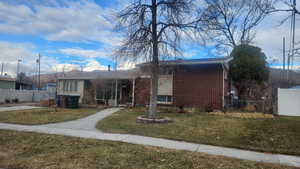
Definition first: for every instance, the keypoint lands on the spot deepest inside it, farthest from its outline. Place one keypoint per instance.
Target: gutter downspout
(133, 92)
(223, 85)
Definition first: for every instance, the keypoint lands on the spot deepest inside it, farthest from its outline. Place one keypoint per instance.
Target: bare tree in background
(234, 21)
(290, 7)
(154, 30)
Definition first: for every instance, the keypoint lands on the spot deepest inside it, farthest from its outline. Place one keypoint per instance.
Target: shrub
(16, 100)
(7, 101)
(209, 108)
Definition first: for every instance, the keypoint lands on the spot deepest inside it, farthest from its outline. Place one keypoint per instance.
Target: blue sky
(74, 34)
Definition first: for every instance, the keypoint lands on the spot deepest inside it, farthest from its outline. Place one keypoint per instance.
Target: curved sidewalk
(85, 128)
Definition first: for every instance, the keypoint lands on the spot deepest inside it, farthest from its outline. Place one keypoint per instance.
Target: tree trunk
(154, 64)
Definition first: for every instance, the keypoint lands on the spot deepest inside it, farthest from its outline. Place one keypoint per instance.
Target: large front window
(165, 89)
(70, 85)
(164, 99)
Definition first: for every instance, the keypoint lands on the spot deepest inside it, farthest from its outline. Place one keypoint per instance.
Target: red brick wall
(142, 91)
(198, 86)
(193, 86)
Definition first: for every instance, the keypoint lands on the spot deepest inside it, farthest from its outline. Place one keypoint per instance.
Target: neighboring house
(7, 83)
(50, 87)
(23, 85)
(184, 83)
(100, 87)
(73, 86)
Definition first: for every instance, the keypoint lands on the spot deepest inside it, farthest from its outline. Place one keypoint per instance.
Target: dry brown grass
(276, 135)
(45, 115)
(20, 150)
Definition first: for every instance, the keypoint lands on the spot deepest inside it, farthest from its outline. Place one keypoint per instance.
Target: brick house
(187, 83)
(183, 83)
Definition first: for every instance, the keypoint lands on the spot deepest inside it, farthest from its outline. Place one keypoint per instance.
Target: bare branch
(233, 22)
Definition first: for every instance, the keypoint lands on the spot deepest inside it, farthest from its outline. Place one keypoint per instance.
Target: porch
(114, 92)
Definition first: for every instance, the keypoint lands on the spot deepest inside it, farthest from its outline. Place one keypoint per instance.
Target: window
(65, 85)
(73, 86)
(225, 74)
(76, 85)
(70, 85)
(166, 71)
(164, 99)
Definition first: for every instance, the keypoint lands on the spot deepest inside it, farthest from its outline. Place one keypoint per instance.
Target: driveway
(85, 128)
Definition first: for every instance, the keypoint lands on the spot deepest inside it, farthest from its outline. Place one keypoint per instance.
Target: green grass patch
(36, 151)
(45, 115)
(276, 135)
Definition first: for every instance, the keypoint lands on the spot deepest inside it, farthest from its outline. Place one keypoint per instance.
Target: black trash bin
(72, 101)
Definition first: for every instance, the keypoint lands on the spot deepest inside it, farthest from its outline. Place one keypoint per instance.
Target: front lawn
(45, 115)
(276, 135)
(36, 151)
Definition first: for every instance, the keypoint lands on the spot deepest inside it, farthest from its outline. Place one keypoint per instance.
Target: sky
(80, 34)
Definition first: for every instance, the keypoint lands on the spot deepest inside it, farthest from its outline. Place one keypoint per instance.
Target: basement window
(164, 99)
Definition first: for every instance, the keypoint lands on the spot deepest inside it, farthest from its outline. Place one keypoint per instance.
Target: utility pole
(39, 72)
(293, 32)
(36, 73)
(283, 55)
(2, 69)
(63, 71)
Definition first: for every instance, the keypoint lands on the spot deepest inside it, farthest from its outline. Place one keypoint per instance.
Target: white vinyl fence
(25, 95)
(289, 102)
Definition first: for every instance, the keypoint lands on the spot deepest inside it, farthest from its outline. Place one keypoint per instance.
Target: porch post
(133, 91)
(120, 99)
(116, 93)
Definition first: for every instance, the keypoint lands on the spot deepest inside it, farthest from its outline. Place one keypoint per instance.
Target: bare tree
(154, 30)
(234, 21)
(290, 7)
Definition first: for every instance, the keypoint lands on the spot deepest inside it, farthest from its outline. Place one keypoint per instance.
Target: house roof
(129, 74)
(221, 60)
(133, 73)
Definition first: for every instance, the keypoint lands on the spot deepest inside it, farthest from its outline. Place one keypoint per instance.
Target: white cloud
(87, 65)
(125, 65)
(12, 52)
(94, 65)
(80, 21)
(65, 67)
(269, 35)
(88, 53)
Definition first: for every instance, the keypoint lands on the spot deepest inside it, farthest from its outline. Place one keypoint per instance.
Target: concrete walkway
(12, 108)
(87, 123)
(85, 128)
